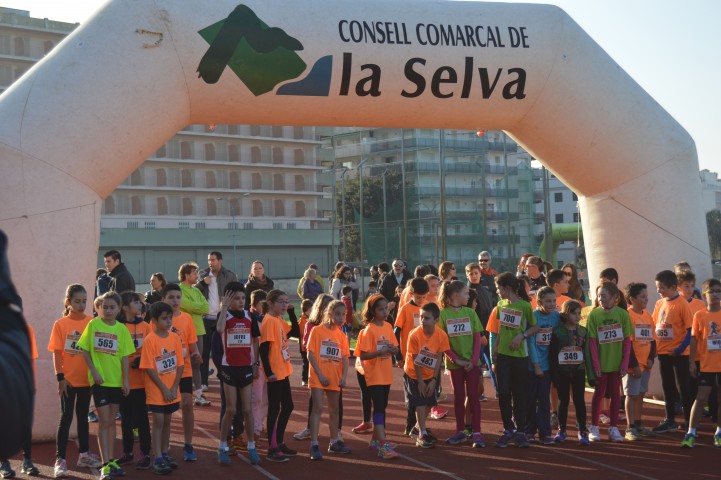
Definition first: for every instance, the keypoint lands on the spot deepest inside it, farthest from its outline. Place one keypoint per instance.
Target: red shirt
(348, 310)
(237, 340)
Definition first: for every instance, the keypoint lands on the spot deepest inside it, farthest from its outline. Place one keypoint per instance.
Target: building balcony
(467, 192)
(429, 239)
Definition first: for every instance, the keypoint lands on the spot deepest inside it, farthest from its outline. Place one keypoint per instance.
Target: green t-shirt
(107, 345)
(194, 303)
(460, 325)
(610, 328)
(514, 318)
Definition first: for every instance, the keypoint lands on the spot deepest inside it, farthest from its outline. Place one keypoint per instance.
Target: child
(239, 366)
(347, 292)
(539, 377)
(72, 374)
(434, 286)
(687, 289)
(275, 355)
(609, 333)
(377, 346)
(706, 339)
(425, 349)
(259, 393)
(184, 327)
(568, 358)
(560, 283)
(366, 426)
(133, 409)
(163, 363)
(672, 320)
(372, 288)
(106, 345)
(328, 354)
(635, 385)
(305, 307)
(511, 323)
(464, 329)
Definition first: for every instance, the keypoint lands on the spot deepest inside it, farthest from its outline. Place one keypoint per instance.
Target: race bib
(106, 343)
(643, 332)
(713, 343)
(137, 340)
(330, 351)
(166, 363)
(382, 344)
(71, 344)
(426, 359)
(416, 319)
(543, 336)
(286, 353)
(238, 337)
(459, 326)
(664, 332)
(510, 318)
(570, 356)
(610, 333)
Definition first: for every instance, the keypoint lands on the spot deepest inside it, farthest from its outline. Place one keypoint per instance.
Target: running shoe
(160, 467)
(631, 435)
(144, 463)
(275, 455)
(188, 454)
(546, 440)
(437, 413)
(486, 374)
(170, 461)
(253, 456)
(423, 442)
(201, 401)
(667, 425)
(223, 456)
(560, 436)
(442, 397)
(689, 440)
(594, 434)
(339, 447)
(125, 459)
(456, 438)
(375, 445)
(204, 388)
(61, 468)
(605, 419)
(468, 430)
(28, 468)
(287, 451)
(363, 427)
(504, 439)
(430, 437)
(717, 440)
(303, 434)
(614, 435)
(531, 438)
(583, 439)
(554, 420)
(304, 383)
(387, 453)
(482, 398)
(88, 460)
(315, 453)
(478, 441)
(92, 417)
(104, 472)
(645, 432)
(115, 469)
(520, 440)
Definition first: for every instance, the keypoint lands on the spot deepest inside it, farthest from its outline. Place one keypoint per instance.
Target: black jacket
(389, 284)
(121, 279)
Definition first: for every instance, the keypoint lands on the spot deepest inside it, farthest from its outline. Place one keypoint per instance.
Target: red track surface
(659, 457)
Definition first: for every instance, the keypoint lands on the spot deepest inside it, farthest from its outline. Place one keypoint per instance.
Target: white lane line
(603, 465)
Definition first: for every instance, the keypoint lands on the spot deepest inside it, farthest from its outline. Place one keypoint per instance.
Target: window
(278, 132)
(257, 208)
(136, 178)
(255, 130)
(200, 225)
(235, 209)
(21, 47)
(300, 208)
(209, 152)
(576, 217)
(109, 205)
(233, 129)
(47, 46)
(136, 205)
(255, 155)
(277, 156)
(256, 181)
(187, 207)
(233, 153)
(186, 150)
(298, 132)
(211, 208)
(277, 226)
(6, 75)
(279, 206)
(162, 205)
(278, 181)
(524, 207)
(247, 226)
(150, 225)
(299, 183)
(574, 197)
(186, 178)
(133, 225)
(299, 156)
(210, 181)
(161, 177)
(161, 152)
(559, 218)
(234, 180)
(558, 197)
(290, 226)
(184, 225)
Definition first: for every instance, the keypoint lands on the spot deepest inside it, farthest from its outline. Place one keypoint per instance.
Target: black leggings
(207, 342)
(365, 396)
(134, 411)
(675, 383)
(340, 409)
(575, 384)
(280, 406)
(379, 397)
(304, 372)
(511, 373)
(77, 401)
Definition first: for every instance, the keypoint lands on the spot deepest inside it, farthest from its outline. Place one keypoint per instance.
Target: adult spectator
(344, 276)
(257, 280)
(447, 271)
(333, 274)
(318, 278)
(536, 271)
(399, 276)
(488, 275)
(310, 286)
(194, 303)
(521, 267)
(375, 274)
(575, 289)
(211, 283)
(120, 278)
(355, 293)
(157, 282)
(383, 270)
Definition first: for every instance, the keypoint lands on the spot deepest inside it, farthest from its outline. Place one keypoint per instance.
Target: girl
(568, 358)
(257, 280)
(575, 290)
(259, 394)
(377, 346)
(106, 345)
(511, 323)
(133, 408)
(447, 271)
(72, 375)
(366, 426)
(464, 329)
(609, 333)
(275, 356)
(328, 354)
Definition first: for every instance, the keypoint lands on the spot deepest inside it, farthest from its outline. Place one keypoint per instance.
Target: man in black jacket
(398, 276)
(121, 279)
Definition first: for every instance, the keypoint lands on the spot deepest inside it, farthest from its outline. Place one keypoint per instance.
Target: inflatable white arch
(92, 111)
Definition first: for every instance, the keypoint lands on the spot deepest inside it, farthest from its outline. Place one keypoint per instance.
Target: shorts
(347, 328)
(238, 377)
(633, 386)
(103, 396)
(709, 379)
(186, 385)
(164, 409)
(413, 396)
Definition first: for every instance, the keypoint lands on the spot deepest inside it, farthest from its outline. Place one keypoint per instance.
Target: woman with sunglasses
(575, 290)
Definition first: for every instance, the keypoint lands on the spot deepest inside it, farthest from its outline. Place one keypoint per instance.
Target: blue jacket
(539, 345)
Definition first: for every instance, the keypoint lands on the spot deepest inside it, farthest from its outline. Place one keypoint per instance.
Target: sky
(672, 48)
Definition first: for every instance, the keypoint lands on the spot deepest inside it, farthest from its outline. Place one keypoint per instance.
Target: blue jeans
(539, 404)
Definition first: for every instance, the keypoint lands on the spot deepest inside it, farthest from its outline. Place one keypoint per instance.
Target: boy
(558, 281)
(183, 326)
(687, 288)
(259, 396)
(706, 339)
(163, 362)
(347, 300)
(305, 307)
(672, 320)
(239, 366)
(635, 384)
(372, 288)
(424, 352)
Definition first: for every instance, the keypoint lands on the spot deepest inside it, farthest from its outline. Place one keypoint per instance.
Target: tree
(713, 223)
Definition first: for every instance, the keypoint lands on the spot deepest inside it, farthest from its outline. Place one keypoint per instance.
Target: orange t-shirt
(707, 331)
(428, 351)
(301, 328)
(274, 330)
(643, 334)
(164, 355)
(671, 319)
(696, 305)
(185, 328)
(64, 338)
(408, 318)
(33, 347)
(356, 353)
(138, 333)
(406, 296)
(328, 346)
(378, 371)
(561, 299)
(492, 325)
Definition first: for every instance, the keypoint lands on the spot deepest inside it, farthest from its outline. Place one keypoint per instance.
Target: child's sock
(313, 443)
(718, 430)
(251, 445)
(692, 431)
(224, 445)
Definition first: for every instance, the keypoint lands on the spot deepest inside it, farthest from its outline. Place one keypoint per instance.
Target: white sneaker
(204, 388)
(605, 419)
(614, 435)
(88, 460)
(486, 374)
(593, 434)
(61, 468)
(201, 401)
(302, 435)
